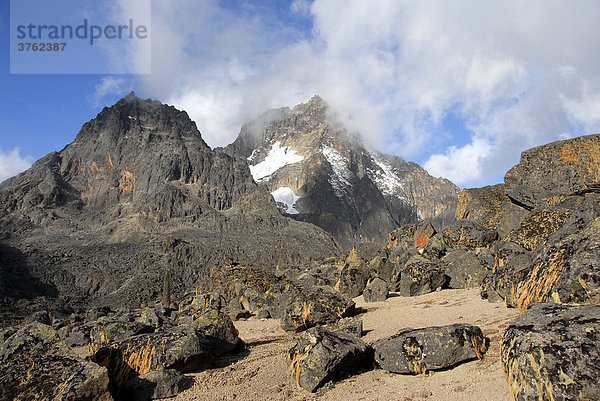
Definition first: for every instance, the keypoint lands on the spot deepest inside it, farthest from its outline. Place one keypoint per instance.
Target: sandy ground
(262, 372)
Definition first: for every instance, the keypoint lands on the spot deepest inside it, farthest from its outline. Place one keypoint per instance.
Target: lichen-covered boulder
(469, 233)
(565, 270)
(409, 237)
(305, 307)
(417, 277)
(537, 227)
(35, 364)
(463, 268)
(376, 290)
(416, 351)
(218, 329)
(551, 352)
(353, 279)
(547, 174)
(320, 356)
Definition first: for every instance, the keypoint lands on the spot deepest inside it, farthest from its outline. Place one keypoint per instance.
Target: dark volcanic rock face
(138, 192)
(320, 172)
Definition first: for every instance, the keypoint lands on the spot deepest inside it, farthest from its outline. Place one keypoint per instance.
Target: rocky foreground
(514, 282)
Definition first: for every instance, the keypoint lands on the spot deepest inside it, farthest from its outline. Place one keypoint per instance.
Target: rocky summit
(138, 193)
(320, 172)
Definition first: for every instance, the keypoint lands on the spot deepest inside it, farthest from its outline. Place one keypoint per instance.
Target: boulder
(463, 268)
(381, 267)
(157, 384)
(35, 364)
(353, 327)
(537, 227)
(565, 270)
(171, 348)
(150, 318)
(263, 313)
(483, 205)
(305, 307)
(352, 279)
(376, 290)
(547, 174)
(416, 351)
(117, 330)
(409, 237)
(218, 329)
(470, 234)
(320, 356)
(510, 265)
(184, 348)
(435, 248)
(418, 276)
(551, 352)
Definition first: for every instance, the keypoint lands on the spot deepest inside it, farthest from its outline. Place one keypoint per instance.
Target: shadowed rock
(158, 384)
(35, 363)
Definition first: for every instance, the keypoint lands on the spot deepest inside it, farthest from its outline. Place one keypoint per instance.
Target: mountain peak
(320, 172)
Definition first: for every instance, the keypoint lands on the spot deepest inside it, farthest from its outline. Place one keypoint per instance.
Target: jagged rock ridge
(320, 172)
(138, 192)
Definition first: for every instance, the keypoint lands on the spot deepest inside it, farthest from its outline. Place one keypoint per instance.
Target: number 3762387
(41, 47)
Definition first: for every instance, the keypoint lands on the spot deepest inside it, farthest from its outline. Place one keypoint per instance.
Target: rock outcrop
(551, 352)
(320, 172)
(548, 207)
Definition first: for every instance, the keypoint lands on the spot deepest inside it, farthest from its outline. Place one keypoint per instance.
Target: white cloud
(12, 163)
(109, 86)
(460, 165)
(517, 73)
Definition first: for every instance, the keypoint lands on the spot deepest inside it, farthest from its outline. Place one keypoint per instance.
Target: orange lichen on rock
(127, 181)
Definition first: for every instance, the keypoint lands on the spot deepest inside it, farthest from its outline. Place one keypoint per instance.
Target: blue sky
(460, 87)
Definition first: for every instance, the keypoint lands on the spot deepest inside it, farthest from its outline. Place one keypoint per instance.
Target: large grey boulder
(551, 352)
(353, 279)
(35, 364)
(418, 276)
(416, 351)
(550, 173)
(320, 356)
(376, 290)
(305, 307)
(470, 234)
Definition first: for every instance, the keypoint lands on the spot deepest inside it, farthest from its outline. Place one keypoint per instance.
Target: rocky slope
(137, 193)
(321, 173)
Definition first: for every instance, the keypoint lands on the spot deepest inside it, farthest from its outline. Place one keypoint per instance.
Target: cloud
(462, 164)
(517, 74)
(109, 87)
(12, 163)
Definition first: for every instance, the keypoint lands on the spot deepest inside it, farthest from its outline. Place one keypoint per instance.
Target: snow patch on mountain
(287, 197)
(277, 157)
(386, 179)
(340, 179)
